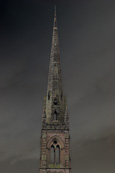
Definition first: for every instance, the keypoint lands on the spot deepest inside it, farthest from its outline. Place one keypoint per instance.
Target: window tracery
(55, 153)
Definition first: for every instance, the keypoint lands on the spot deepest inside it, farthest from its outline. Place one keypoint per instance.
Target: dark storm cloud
(86, 34)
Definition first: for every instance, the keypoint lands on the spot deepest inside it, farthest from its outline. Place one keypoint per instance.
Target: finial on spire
(55, 22)
(55, 11)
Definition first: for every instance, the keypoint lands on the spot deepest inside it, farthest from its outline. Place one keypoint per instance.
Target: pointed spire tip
(55, 7)
(55, 10)
(55, 20)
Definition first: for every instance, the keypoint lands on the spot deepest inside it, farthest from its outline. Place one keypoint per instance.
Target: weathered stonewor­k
(55, 138)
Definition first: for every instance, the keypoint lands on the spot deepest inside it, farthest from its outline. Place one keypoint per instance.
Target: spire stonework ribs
(55, 138)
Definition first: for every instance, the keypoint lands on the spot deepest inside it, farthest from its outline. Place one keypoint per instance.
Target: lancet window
(55, 153)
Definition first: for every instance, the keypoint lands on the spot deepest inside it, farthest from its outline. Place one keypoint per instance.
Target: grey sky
(87, 39)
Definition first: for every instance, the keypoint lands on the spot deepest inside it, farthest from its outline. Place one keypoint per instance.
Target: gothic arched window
(55, 153)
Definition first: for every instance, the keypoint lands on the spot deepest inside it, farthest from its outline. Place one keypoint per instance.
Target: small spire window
(55, 101)
(55, 115)
(49, 95)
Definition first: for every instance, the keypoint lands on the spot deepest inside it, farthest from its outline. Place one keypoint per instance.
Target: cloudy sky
(87, 40)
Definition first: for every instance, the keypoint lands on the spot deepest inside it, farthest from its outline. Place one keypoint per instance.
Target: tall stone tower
(55, 138)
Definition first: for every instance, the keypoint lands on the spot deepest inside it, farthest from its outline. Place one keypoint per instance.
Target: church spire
(55, 139)
(54, 77)
(55, 99)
